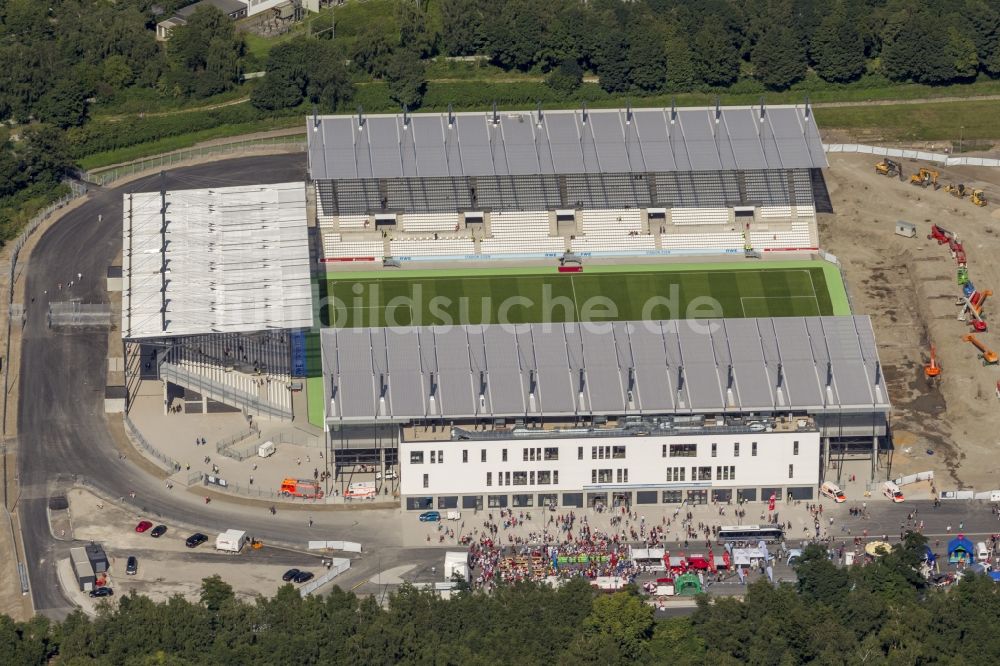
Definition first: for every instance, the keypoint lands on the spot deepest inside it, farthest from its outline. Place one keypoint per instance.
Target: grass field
(600, 293)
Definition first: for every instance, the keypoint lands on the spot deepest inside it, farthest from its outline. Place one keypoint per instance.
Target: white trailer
(456, 562)
(231, 541)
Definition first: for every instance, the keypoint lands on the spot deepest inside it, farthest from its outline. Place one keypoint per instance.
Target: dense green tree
(414, 34)
(566, 78)
(837, 48)
(373, 51)
(407, 78)
(462, 29)
(716, 60)
(918, 51)
(514, 34)
(647, 63)
(304, 68)
(819, 578)
(778, 58)
(680, 62)
(65, 105)
(612, 59)
(204, 54)
(276, 91)
(625, 619)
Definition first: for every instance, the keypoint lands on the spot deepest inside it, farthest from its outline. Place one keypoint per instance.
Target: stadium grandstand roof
(813, 364)
(229, 259)
(529, 143)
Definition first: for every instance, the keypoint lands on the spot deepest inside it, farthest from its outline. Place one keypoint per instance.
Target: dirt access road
(909, 287)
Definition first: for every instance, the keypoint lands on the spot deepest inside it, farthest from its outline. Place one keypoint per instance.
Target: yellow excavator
(956, 190)
(925, 177)
(978, 198)
(889, 168)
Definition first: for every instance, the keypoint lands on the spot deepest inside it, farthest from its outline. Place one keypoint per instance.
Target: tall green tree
(462, 27)
(918, 51)
(716, 59)
(837, 48)
(205, 54)
(407, 78)
(65, 105)
(566, 78)
(647, 64)
(680, 62)
(779, 60)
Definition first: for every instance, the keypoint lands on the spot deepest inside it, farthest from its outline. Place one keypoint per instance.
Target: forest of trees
(881, 613)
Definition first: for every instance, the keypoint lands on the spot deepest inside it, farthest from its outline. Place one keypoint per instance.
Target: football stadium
(496, 292)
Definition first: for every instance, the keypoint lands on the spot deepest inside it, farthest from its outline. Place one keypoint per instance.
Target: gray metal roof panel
(474, 145)
(386, 155)
(609, 141)
(651, 128)
(604, 380)
(355, 395)
(699, 140)
(429, 142)
(506, 388)
(519, 147)
(744, 137)
(652, 378)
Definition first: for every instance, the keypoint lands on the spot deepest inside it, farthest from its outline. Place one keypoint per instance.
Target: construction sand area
(909, 287)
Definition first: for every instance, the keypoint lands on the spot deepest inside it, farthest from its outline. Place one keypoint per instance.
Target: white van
(266, 449)
(982, 552)
(892, 491)
(833, 491)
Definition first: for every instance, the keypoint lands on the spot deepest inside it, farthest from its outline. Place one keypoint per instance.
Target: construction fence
(287, 143)
(902, 153)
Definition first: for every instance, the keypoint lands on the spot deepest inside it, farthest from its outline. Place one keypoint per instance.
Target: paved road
(62, 429)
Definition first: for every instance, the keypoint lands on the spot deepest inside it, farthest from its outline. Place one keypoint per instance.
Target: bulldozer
(978, 198)
(956, 190)
(889, 168)
(925, 177)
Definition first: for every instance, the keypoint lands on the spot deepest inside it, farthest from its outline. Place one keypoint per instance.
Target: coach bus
(751, 533)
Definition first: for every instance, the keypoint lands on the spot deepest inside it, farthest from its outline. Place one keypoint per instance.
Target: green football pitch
(598, 293)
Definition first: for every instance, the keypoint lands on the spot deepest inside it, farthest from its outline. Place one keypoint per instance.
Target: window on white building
(663, 451)
(433, 457)
(416, 457)
(531, 478)
(701, 473)
(604, 476)
(482, 455)
(555, 476)
(489, 478)
(552, 453)
(753, 449)
(715, 449)
(427, 480)
(675, 474)
(506, 478)
(795, 448)
(736, 449)
(544, 478)
(579, 453)
(503, 455)
(683, 450)
(520, 478)
(791, 471)
(524, 454)
(440, 456)
(618, 452)
(465, 455)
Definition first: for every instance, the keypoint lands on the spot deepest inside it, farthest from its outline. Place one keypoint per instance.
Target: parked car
(430, 516)
(131, 566)
(102, 592)
(303, 577)
(389, 475)
(143, 526)
(158, 531)
(195, 540)
(290, 574)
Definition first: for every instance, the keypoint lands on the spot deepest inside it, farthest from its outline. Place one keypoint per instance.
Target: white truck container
(266, 449)
(231, 541)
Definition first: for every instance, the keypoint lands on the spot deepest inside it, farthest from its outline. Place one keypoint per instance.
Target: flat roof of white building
(807, 364)
(228, 260)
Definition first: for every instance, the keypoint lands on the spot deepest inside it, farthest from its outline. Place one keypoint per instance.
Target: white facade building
(578, 471)
(257, 6)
